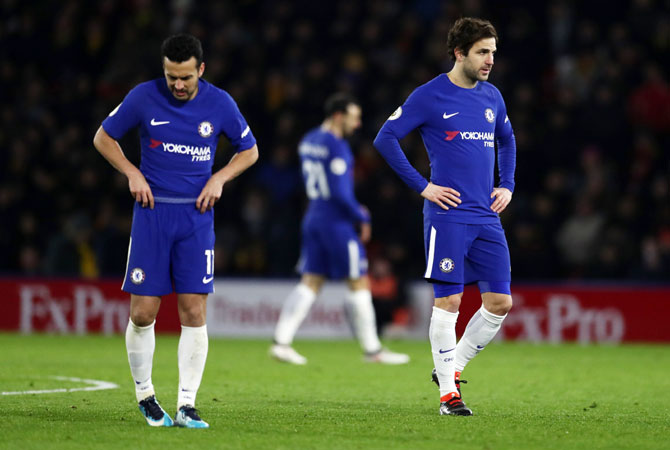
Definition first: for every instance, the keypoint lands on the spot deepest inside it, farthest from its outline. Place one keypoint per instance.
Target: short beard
(186, 98)
(473, 76)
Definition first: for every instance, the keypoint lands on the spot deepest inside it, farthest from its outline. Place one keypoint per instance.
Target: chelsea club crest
(137, 276)
(446, 265)
(205, 129)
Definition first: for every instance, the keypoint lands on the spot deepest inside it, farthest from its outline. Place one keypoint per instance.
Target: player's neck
(459, 79)
(330, 126)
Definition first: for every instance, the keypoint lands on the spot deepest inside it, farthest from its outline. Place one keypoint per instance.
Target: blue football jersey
(178, 138)
(327, 168)
(459, 128)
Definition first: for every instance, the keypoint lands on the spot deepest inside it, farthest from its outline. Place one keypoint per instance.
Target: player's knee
(314, 282)
(357, 284)
(142, 318)
(450, 303)
(498, 304)
(192, 315)
(505, 305)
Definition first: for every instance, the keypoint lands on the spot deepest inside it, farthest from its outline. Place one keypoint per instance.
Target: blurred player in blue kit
(331, 245)
(461, 118)
(180, 118)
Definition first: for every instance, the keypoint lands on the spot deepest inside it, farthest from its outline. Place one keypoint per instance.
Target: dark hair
(465, 32)
(338, 102)
(180, 47)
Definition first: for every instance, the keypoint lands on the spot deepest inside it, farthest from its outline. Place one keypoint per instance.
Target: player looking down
(180, 118)
(461, 117)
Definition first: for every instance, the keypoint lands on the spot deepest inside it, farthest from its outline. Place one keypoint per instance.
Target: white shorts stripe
(125, 275)
(431, 253)
(354, 259)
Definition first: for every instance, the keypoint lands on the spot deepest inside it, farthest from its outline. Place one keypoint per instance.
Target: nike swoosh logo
(446, 116)
(479, 347)
(206, 280)
(154, 123)
(446, 351)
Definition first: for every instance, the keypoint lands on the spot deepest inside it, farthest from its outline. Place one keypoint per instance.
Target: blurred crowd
(586, 87)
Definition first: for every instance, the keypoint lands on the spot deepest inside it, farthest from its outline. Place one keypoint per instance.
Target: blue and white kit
(172, 246)
(330, 243)
(460, 129)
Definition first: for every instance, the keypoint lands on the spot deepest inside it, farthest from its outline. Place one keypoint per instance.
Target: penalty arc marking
(96, 385)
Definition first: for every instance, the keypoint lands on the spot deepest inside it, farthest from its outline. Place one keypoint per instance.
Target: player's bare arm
(212, 191)
(366, 232)
(441, 195)
(502, 198)
(110, 149)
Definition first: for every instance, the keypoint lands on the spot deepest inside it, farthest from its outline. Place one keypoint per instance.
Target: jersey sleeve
(341, 184)
(234, 127)
(405, 119)
(125, 116)
(506, 146)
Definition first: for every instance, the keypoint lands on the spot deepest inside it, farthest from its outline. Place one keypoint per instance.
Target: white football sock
(295, 309)
(140, 345)
(481, 329)
(191, 357)
(442, 334)
(362, 315)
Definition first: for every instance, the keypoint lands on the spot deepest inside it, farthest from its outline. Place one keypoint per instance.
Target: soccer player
(331, 245)
(460, 117)
(180, 118)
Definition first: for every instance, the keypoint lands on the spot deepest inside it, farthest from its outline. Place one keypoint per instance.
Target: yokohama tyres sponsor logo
(470, 135)
(196, 153)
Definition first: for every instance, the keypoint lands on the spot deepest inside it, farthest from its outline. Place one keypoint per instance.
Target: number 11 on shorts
(209, 256)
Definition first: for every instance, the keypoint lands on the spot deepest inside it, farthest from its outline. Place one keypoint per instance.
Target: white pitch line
(97, 386)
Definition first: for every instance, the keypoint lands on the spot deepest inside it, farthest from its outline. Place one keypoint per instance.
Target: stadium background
(585, 85)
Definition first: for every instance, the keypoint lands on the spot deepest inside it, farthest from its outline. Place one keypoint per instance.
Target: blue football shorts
(171, 249)
(458, 254)
(332, 250)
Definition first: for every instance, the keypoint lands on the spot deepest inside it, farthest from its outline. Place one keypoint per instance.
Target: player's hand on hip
(442, 196)
(209, 195)
(502, 198)
(140, 190)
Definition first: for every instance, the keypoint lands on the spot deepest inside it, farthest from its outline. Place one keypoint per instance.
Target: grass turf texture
(523, 396)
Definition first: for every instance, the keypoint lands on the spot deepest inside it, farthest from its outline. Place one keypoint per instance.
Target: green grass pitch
(523, 396)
